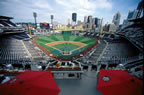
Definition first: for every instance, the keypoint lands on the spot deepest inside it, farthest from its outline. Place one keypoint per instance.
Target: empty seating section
(108, 36)
(35, 54)
(93, 54)
(6, 21)
(134, 33)
(9, 27)
(3, 23)
(118, 52)
(91, 34)
(11, 23)
(19, 36)
(134, 64)
(12, 51)
(15, 51)
(135, 68)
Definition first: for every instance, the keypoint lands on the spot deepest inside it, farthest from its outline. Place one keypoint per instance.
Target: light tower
(52, 17)
(35, 15)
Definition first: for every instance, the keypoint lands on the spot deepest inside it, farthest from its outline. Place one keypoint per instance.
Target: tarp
(30, 83)
(120, 83)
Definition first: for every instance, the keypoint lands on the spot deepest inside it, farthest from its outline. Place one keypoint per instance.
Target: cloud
(61, 9)
(85, 4)
(83, 7)
(42, 5)
(22, 10)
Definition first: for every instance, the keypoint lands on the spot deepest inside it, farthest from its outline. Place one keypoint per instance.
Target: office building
(109, 28)
(116, 19)
(89, 19)
(96, 22)
(85, 19)
(74, 17)
(79, 22)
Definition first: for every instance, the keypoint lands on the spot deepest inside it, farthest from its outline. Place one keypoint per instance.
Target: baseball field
(64, 46)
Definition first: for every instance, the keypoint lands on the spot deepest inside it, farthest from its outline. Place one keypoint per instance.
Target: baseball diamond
(64, 46)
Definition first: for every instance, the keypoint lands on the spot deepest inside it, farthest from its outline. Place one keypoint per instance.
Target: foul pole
(29, 30)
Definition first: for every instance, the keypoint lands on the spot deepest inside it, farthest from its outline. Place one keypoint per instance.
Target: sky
(22, 10)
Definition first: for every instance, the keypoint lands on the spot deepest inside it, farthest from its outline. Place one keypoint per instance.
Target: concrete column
(89, 67)
(106, 66)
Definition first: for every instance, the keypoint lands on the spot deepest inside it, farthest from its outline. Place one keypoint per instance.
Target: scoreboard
(44, 25)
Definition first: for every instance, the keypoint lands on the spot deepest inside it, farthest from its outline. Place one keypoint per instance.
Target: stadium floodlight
(52, 17)
(35, 15)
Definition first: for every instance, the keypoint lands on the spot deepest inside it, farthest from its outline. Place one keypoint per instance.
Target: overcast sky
(22, 10)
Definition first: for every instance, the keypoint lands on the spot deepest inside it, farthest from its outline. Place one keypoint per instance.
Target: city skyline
(22, 11)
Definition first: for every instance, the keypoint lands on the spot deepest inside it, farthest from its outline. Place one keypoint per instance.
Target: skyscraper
(116, 19)
(68, 21)
(74, 17)
(89, 19)
(85, 19)
(96, 21)
(89, 22)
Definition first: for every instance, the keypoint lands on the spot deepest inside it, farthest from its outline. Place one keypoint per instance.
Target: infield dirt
(52, 44)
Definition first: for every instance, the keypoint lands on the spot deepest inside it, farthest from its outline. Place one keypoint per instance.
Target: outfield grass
(42, 40)
(66, 46)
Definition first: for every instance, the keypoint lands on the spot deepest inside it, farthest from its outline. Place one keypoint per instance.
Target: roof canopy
(5, 17)
(31, 83)
(118, 82)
